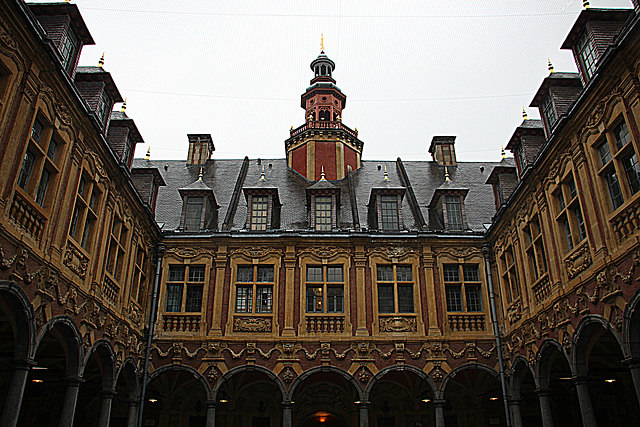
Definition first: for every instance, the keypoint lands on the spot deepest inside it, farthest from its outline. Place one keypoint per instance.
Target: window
(534, 248)
(522, 160)
(325, 289)
(254, 289)
(193, 214)
(549, 111)
(389, 213)
(68, 45)
(84, 215)
(454, 213)
(619, 166)
(395, 288)
(586, 55)
(259, 211)
(140, 276)
(189, 291)
(509, 276)
(462, 287)
(117, 249)
(25, 170)
(569, 214)
(323, 214)
(104, 106)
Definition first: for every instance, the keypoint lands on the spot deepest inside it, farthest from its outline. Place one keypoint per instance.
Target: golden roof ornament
(585, 3)
(446, 174)
(200, 174)
(504, 155)
(124, 106)
(524, 114)
(148, 154)
(386, 175)
(101, 61)
(322, 178)
(262, 177)
(321, 43)
(550, 66)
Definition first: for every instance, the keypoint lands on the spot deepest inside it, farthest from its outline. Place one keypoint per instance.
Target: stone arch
(126, 392)
(465, 367)
(410, 368)
(23, 324)
(631, 327)
(519, 369)
(249, 368)
(584, 335)
(543, 359)
(129, 371)
(341, 372)
(103, 349)
(188, 369)
(73, 341)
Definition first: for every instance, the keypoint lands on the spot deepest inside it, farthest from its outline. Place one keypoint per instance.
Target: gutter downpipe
(150, 330)
(486, 251)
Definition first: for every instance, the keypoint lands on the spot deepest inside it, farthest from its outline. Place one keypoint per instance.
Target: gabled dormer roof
(555, 80)
(90, 73)
(592, 14)
(527, 127)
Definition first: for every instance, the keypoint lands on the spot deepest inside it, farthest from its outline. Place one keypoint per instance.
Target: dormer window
(454, 213)
(521, 159)
(104, 106)
(67, 47)
(586, 55)
(323, 200)
(199, 207)
(549, 111)
(259, 212)
(323, 215)
(193, 215)
(389, 213)
(447, 207)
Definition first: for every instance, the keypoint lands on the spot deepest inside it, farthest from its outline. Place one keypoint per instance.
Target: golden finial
(550, 66)
(262, 177)
(322, 178)
(585, 3)
(101, 61)
(524, 114)
(124, 106)
(321, 43)
(504, 155)
(386, 175)
(446, 174)
(291, 129)
(200, 174)
(148, 154)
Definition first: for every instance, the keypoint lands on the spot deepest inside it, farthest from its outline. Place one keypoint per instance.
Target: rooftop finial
(322, 178)
(386, 175)
(200, 174)
(124, 106)
(585, 3)
(262, 177)
(446, 174)
(550, 66)
(524, 114)
(101, 61)
(504, 155)
(321, 43)
(148, 154)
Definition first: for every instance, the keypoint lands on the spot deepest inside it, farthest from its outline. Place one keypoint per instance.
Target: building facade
(319, 288)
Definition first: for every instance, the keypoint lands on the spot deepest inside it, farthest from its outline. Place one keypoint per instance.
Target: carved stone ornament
(325, 251)
(189, 252)
(76, 260)
(6, 37)
(514, 312)
(391, 251)
(558, 167)
(599, 112)
(397, 324)
(251, 324)
(459, 253)
(578, 261)
(253, 252)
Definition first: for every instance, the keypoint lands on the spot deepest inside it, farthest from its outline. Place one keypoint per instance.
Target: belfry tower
(323, 141)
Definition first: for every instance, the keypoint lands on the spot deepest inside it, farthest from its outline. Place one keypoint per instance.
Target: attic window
(549, 111)
(323, 213)
(68, 46)
(453, 206)
(259, 213)
(104, 106)
(586, 55)
(389, 213)
(193, 214)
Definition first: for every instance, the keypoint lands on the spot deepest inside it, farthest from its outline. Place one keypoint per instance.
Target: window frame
(183, 284)
(253, 286)
(464, 284)
(395, 284)
(324, 284)
(586, 53)
(259, 203)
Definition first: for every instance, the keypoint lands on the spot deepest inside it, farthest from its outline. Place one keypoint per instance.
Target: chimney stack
(200, 148)
(442, 150)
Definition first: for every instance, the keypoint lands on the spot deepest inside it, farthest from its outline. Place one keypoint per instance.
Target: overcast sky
(410, 69)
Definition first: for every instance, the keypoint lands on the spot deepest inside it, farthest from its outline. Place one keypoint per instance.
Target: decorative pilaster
(289, 300)
(361, 262)
(429, 277)
(221, 266)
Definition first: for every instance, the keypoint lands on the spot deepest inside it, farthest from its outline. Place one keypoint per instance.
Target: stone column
(12, 404)
(360, 262)
(516, 416)
(132, 417)
(545, 407)
(634, 369)
(439, 403)
(432, 310)
(364, 414)
(105, 410)
(211, 414)
(289, 299)
(588, 417)
(221, 267)
(287, 416)
(70, 399)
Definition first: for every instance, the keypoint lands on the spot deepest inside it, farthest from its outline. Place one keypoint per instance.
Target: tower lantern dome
(322, 66)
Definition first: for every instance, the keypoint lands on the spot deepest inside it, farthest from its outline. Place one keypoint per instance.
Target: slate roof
(221, 175)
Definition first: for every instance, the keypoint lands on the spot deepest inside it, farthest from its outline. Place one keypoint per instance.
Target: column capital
(631, 362)
(439, 402)
(211, 403)
(287, 404)
(542, 392)
(73, 381)
(362, 403)
(23, 364)
(133, 403)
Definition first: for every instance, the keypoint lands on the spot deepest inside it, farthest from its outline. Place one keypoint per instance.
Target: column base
(288, 332)
(434, 331)
(362, 332)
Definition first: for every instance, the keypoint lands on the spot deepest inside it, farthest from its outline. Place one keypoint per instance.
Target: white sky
(410, 69)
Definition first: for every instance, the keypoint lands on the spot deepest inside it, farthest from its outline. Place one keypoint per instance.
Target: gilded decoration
(76, 260)
(391, 251)
(256, 252)
(325, 251)
(459, 252)
(397, 324)
(189, 252)
(579, 261)
(251, 324)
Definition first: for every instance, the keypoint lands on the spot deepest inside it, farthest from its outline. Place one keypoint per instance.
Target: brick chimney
(442, 150)
(200, 148)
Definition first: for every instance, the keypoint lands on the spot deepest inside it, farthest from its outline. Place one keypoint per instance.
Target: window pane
(451, 273)
(42, 187)
(471, 273)
(404, 273)
(194, 298)
(323, 213)
(567, 233)
(314, 299)
(474, 301)
(264, 299)
(25, 170)
(561, 202)
(36, 131)
(549, 110)
(193, 215)
(265, 273)
(196, 273)
(389, 212)
(454, 298)
(244, 297)
(174, 298)
(605, 153)
(176, 273)
(613, 185)
(622, 136)
(335, 298)
(334, 274)
(314, 274)
(245, 274)
(385, 273)
(259, 208)
(51, 151)
(632, 169)
(587, 54)
(385, 299)
(572, 188)
(580, 220)
(405, 298)
(454, 213)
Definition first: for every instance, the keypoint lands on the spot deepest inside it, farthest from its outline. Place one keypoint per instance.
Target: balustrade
(325, 324)
(627, 221)
(323, 124)
(466, 322)
(542, 289)
(180, 323)
(110, 290)
(27, 216)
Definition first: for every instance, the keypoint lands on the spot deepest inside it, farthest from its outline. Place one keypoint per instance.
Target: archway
(125, 401)
(557, 390)
(523, 393)
(473, 398)
(96, 387)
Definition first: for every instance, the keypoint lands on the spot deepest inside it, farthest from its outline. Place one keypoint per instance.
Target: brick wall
(564, 97)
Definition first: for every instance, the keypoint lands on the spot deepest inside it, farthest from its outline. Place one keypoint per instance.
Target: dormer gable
(122, 137)
(525, 144)
(199, 207)
(99, 91)
(447, 209)
(323, 201)
(147, 181)
(67, 30)
(263, 206)
(385, 206)
(555, 97)
(592, 33)
(504, 180)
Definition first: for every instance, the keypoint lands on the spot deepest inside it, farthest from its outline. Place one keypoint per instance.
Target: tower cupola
(322, 68)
